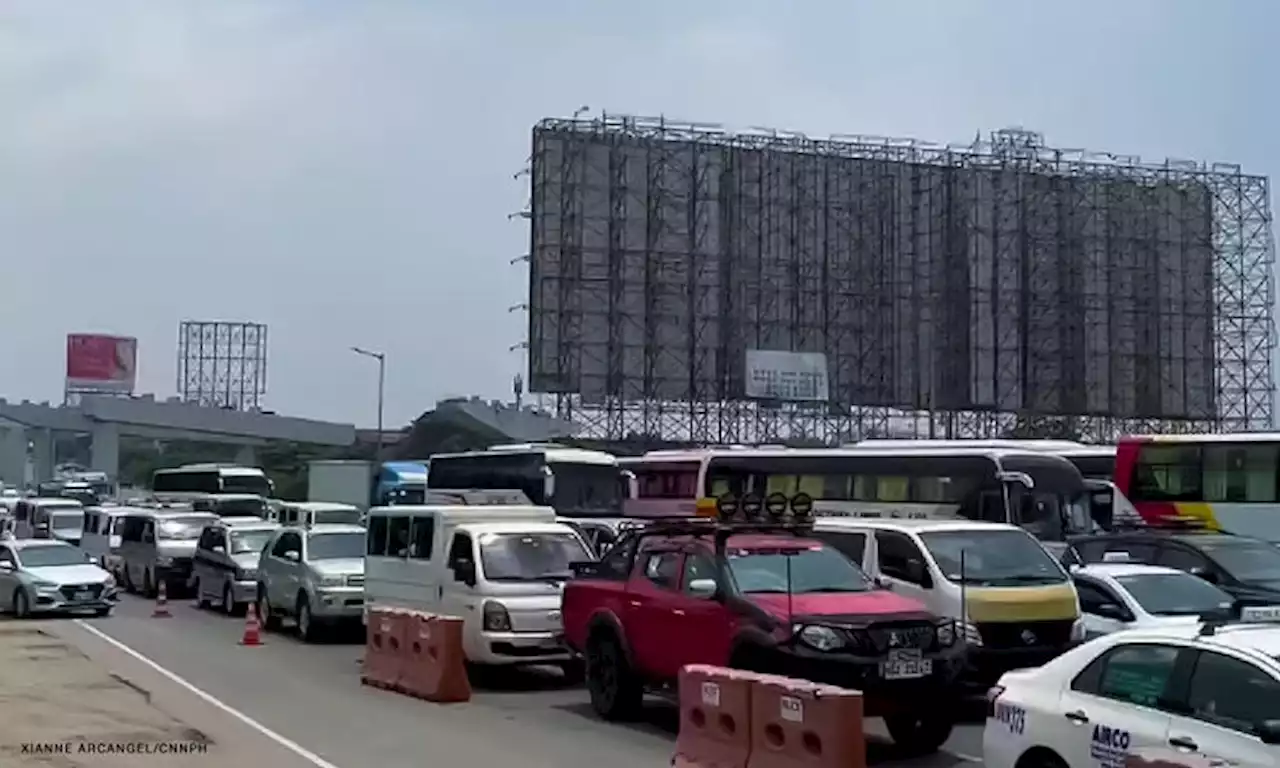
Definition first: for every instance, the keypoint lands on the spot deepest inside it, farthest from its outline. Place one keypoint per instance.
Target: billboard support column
(104, 448)
(42, 458)
(13, 455)
(246, 456)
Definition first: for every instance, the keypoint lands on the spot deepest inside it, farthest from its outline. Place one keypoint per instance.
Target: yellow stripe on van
(1199, 511)
(1047, 603)
(706, 508)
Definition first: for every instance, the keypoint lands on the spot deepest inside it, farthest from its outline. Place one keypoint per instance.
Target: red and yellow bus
(1230, 481)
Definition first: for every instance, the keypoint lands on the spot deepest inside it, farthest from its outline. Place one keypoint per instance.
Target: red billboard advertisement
(101, 363)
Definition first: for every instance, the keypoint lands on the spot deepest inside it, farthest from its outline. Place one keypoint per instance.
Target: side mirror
(919, 574)
(219, 549)
(293, 556)
(6, 566)
(882, 584)
(465, 572)
(1268, 731)
(1207, 574)
(703, 588)
(548, 483)
(1111, 611)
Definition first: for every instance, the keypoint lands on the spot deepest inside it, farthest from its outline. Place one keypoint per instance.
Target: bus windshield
(251, 484)
(587, 490)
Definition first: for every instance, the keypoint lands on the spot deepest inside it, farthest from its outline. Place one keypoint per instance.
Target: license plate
(83, 596)
(905, 665)
(550, 644)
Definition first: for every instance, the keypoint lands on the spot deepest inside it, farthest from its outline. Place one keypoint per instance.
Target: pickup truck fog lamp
(819, 638)
(332, 581)
(946, 633)
(776, 505)
(496, 618)
(728, 508)
(802, 506)
(752, 506)
(971, 634)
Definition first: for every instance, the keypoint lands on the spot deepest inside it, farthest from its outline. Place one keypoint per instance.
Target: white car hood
(70, 574)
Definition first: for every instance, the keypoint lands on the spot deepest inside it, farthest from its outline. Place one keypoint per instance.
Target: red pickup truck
(765, 598)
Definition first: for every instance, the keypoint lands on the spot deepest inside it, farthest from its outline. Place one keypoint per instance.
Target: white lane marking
(966, 758)
(209, 698)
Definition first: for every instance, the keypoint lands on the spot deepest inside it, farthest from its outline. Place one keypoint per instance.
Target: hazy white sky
(343, 171)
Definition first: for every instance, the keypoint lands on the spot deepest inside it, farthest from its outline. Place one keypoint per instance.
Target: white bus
(192, 481)
(572, 481)
(1039, 491)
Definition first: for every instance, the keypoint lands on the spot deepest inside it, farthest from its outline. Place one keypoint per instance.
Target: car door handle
(634, 603)
(677, 612)
(1078, 717)
(1182, 742)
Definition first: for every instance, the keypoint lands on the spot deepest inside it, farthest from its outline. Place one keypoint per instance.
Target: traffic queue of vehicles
(911, 572)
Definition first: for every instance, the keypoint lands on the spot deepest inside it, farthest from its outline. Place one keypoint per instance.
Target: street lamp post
(382, 390)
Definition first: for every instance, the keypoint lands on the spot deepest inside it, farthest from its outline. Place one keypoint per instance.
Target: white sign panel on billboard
(773, 375)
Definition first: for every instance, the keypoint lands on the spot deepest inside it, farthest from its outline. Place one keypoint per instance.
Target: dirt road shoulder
(71, 699)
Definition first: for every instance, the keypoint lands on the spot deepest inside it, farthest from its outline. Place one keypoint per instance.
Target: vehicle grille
(355, 581)
(883, 638)
(1024, 634)
(69, 591)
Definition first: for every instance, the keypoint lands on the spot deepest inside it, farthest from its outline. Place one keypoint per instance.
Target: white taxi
(1208, 690)
(1116, 596)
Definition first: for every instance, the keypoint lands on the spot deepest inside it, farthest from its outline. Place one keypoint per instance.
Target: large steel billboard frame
(976, 290)
(222, 364)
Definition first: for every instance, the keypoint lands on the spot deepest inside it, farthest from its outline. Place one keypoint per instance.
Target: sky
(344, 172)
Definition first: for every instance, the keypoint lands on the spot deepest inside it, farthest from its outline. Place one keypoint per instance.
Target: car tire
(228, 600)
(1041, 758)
(307, 629)
(615, 690)
(127, 580)
(149, 589)
(270, 621)
(202, 602)
(919, 734)
(21, 604)
(102, 612)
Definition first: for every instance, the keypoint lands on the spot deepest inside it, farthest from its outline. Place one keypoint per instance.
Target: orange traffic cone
(252, 629)
(162, 603)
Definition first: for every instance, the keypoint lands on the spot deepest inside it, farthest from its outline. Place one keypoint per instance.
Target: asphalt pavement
(312, 696)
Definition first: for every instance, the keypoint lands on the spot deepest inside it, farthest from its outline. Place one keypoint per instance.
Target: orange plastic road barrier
(383, 649)
(715, 718)
(796, 723)
(252, 627)
(161, 611)
(435, 665)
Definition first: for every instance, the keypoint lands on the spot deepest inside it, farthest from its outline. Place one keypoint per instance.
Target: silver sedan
(47, 576)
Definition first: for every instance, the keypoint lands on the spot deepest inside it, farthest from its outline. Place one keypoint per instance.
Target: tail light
(993, 695)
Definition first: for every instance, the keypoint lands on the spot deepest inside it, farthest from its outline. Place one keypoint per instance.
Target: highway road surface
(310, 697)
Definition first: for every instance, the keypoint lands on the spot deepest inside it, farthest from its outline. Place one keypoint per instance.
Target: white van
(307, 514)
(48, 518)
(1020, 608)
(100, 539)
(500, 568)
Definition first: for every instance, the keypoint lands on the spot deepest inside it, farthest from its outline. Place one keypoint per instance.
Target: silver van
(226, 563)
(49, 518)
(160, 544)
(233, 505)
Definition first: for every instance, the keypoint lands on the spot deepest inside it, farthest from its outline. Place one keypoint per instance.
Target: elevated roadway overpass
(107, 419)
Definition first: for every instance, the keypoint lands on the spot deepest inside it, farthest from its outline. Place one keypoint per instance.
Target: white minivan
(500, 568)
(101, 537)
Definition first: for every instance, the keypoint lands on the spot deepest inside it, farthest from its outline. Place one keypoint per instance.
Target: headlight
(44, 585)
(246, 574)
(820, 638)
(164, 562)
(971, 634)
(1077, 631)
(496, 618)
(946, 633)
(109, 582)
(332, 581)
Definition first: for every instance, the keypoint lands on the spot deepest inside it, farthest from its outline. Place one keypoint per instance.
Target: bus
(572, 481)
(193, 481)
(1227, 482)
(1096, 463)
(1040, 492)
